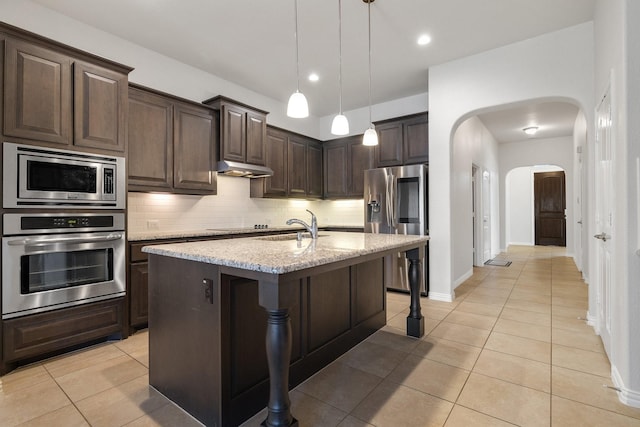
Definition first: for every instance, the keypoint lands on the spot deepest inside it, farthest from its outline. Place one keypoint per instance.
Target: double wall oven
(63, 229)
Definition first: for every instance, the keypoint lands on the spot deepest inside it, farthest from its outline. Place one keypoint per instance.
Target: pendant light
(298, 107)
(370, 135)
(340, 124)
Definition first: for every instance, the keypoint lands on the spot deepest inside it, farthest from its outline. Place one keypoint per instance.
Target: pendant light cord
(295, 9)
(369, 9)
(340, 51)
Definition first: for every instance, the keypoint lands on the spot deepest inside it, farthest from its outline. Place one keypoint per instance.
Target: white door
(604, 217)
(486, 216)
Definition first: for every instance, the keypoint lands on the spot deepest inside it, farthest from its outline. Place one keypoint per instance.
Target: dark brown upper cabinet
(242, 131)
(402, 141)
(59, 96)
(172, 144)
(296, 161)
(345, 160)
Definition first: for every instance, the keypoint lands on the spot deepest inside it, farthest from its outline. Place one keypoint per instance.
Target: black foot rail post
(278, 344)
(415, 321)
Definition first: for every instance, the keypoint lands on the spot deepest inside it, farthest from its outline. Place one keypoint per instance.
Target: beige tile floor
(513, 349)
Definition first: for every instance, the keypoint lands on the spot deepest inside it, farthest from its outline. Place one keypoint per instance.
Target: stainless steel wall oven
(55, 260)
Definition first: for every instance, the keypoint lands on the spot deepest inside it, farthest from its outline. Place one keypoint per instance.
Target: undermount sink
(281, 237)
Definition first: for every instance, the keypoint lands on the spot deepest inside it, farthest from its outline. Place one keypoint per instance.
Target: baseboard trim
(439, 296)
(626, 396)
(464, 277)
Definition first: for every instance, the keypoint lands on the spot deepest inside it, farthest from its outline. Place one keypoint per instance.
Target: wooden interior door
(550, 204)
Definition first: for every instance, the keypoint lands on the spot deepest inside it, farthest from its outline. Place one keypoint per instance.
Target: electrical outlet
(153, 224)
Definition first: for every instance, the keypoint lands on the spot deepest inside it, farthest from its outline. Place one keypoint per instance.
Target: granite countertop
(274, 254)
(185, 234)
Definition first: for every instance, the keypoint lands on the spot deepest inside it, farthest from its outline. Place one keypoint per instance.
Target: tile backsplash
(232, 207)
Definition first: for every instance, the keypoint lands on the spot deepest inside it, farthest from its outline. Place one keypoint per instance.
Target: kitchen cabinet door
(233, 122)
(37, 93)
(100, 107)
(276, 159)
(360, 159)
(296, 167)
(150, 146)
(138, 297)
(256, 134)
(194, 154)
(388, 152)
(335, 169)
(314, 170)
(416, 140)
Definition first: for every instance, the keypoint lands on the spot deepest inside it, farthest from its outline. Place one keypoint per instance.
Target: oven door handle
(69, 240)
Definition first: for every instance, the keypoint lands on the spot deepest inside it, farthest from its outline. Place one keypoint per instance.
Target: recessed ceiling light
(313, 77)
(424, 39)
(531, 130)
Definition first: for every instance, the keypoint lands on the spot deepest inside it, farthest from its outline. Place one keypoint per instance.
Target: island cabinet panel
(59, 96)
(207, 336)
(369, 300)
(329, 302)
(172, 144)
(185, 332)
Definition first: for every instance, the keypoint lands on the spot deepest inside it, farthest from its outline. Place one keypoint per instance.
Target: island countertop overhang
(261, 254)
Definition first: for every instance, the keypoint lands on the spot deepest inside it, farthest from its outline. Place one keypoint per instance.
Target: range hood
(244, 170)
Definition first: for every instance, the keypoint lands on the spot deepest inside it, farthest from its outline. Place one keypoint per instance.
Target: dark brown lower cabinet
(209, 356)
(44, 333)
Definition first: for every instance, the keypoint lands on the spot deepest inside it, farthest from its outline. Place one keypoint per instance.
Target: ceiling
(251, 43)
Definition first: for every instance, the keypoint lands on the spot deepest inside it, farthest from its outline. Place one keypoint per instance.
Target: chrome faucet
(313, 229)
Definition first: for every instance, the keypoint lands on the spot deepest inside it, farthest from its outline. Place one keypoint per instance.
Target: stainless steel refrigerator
(396, 202)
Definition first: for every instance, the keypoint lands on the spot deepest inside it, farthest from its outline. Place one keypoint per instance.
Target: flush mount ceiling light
(370, 136)
(298, 107)
(531, 130)
(340, 124)
(313, 77)
(424, 39)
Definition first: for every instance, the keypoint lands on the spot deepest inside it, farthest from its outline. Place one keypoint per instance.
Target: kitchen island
(212, 303)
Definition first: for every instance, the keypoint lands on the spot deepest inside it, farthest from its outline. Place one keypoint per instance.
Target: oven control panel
(38, 222)
(35, 223)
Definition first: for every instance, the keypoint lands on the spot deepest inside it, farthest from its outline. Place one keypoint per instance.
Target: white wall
(617, 63)
(532, 152)
(518, 216)
(472, 144)
(580, 194)
(555, 66)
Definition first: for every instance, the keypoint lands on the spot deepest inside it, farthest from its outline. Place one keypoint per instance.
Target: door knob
(602, 236)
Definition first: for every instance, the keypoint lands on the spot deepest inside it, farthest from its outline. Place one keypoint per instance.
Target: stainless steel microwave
(39, 177)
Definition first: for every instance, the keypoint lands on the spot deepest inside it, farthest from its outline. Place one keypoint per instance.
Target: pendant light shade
(298, 107)
(370, 136)
(340, 124)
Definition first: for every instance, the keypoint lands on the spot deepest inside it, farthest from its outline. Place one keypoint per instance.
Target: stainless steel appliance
(51, 261)
(396, 203)
(37, 177)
